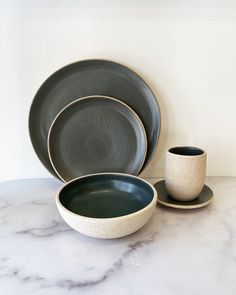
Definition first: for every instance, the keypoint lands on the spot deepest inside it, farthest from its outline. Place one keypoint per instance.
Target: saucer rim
(186, 207)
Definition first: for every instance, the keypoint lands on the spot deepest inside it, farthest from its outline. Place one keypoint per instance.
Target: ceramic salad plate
(205, 198)
(96, 134)
(85, 78)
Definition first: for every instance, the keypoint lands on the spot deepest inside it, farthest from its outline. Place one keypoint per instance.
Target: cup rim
(174, 151)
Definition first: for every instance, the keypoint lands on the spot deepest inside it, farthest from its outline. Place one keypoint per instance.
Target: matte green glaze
(106, 196)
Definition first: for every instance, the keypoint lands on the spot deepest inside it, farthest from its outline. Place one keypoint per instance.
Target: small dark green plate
(205, 197)
(96, 134)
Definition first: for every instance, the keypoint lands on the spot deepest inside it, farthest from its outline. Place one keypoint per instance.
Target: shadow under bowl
(106, 205)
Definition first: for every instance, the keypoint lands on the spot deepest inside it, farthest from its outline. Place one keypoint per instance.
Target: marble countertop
(177, 252)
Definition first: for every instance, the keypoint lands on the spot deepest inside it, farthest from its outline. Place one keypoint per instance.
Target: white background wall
(186, 50)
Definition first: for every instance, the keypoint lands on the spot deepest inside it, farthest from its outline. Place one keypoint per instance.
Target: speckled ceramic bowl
(106, 205)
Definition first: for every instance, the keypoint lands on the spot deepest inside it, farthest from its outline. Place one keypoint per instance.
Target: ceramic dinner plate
(91, 77)
(205, 197)
(96, 134)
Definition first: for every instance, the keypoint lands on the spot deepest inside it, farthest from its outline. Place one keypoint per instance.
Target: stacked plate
(94, 116)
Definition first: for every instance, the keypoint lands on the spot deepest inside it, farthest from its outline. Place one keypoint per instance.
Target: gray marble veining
(177, 252)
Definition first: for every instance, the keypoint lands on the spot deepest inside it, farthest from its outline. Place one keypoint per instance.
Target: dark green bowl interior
(106, 196)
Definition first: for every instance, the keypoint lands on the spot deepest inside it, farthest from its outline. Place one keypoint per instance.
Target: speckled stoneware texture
(185, 172)
(107, 205)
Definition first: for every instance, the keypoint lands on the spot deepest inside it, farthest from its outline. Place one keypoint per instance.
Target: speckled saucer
(163, 198)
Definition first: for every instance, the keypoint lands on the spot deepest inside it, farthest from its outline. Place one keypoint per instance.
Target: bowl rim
(153, 201)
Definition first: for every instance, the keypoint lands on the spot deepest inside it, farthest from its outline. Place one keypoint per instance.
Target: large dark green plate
(85, 78)
(96, 134)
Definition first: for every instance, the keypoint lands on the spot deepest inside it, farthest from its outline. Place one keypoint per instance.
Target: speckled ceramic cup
(185, 172)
